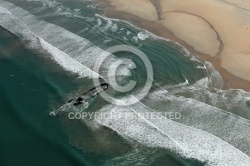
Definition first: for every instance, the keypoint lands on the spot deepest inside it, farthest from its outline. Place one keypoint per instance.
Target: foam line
(227, 126)
(127, 129)
(214, 78)
(146, 120)
(3, 10)
(230, 101)
(141, 106)
(70, 44)
(64, 60)
(190, 126)
(216, 109)
(150, 34)
(195, 143)
(60, 57)
(165, 133)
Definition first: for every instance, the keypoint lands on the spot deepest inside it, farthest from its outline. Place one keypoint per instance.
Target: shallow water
(47, 57)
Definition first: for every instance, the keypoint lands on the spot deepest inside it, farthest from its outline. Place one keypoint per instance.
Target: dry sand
(245, 4)
(180, 25)
(131, 6)
(230, 22)
(211, 27)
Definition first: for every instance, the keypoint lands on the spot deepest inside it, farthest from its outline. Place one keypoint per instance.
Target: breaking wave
(215, 125)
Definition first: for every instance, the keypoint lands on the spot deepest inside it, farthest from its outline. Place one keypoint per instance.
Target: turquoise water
(34, 82)
(31, 86)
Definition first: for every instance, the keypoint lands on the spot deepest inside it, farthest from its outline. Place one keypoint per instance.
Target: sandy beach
(215, 30)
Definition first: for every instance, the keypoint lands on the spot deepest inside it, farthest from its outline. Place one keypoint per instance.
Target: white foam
(60, 57)
(114, 28)
(215, 79)
(67, 62)
(202, 83)
(139, 156)
(234, 101)
(148, 34)
(128, 32)
(99, 23)
(184, 140)
(124, 38)
(142, 35)
(135, 38)
(76, 47)
(108, 25)
(167, 87)
(201, 67)
(3, 10)
(49, 3)
(225, 125)
(164, 133)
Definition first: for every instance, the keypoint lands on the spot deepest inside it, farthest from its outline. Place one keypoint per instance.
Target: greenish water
(30, 87)
(33, 82)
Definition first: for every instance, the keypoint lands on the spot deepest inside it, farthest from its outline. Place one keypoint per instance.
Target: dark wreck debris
(84, 99)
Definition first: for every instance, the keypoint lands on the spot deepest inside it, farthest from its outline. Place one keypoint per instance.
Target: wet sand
(227, 52)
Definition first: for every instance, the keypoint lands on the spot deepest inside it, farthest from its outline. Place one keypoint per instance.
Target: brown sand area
(216, 30)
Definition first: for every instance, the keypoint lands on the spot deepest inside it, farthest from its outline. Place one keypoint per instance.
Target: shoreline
(230, 81)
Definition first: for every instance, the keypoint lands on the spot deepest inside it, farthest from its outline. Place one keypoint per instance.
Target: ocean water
(48, 52)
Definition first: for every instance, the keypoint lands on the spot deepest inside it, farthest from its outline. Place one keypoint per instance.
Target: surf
(178, 136)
